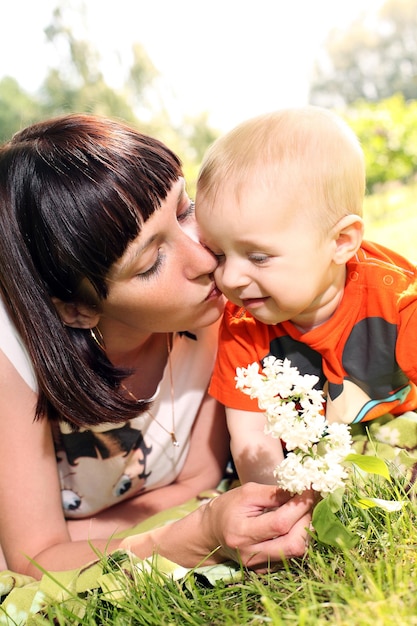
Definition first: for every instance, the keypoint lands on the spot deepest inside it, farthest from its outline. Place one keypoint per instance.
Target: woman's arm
(203, 469)
(256, 525)
(32, 523)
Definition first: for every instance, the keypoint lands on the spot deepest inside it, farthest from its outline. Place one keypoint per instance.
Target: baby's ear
(76, 315)
(348, 236)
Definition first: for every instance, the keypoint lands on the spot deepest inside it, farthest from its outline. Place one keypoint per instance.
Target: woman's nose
(197, 258)
(191, 230)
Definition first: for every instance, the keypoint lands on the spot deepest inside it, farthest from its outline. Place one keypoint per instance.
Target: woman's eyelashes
(154, 269)
(182, 217)
(188, 213)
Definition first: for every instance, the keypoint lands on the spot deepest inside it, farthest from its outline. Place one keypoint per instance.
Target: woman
(108, 336)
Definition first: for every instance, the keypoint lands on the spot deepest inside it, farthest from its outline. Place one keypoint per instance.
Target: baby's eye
(258, 258)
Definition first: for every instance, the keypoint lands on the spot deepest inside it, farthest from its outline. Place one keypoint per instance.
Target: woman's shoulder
(13, 348)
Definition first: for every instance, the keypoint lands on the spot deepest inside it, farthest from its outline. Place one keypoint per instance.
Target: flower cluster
(315, 450)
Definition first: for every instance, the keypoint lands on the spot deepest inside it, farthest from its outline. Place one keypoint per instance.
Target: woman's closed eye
(188, 213)
(154, 268)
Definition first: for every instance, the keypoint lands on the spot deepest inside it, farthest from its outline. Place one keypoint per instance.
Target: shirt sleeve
(241, 342)
(406, 349)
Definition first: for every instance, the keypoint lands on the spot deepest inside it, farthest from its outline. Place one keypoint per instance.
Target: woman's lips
(214, 293)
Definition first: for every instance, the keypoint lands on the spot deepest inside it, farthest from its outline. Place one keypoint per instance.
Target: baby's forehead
(242, 177)
(263, 177)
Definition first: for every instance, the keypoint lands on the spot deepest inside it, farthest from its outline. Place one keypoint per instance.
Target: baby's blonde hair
(307, 146)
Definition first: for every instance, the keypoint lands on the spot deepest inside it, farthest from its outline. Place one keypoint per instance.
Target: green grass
(372, 584)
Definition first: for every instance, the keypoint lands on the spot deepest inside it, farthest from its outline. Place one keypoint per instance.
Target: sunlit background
(187, 70)
(230, 58)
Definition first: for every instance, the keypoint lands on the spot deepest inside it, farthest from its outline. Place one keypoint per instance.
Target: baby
(279, 202)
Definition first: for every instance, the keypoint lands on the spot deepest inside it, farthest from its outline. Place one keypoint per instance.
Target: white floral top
(102, 466)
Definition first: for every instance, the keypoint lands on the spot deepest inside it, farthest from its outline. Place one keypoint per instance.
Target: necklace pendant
(174, 440)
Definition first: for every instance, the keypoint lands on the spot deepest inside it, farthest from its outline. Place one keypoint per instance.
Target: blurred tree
(196, 134)
(199, 134)
(141, 80)
(17, 108)
(387, 131)
(374, 58)
(76, 83)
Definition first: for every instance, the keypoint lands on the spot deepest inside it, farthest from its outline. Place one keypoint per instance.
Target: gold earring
(98, 338)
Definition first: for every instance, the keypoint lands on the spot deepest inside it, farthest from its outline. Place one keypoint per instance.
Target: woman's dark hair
(74, 192)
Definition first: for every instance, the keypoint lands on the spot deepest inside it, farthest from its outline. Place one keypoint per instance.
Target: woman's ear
(76, 315)
(348, 236)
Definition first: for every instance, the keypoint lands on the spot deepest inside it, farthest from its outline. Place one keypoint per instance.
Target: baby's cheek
(218, 275)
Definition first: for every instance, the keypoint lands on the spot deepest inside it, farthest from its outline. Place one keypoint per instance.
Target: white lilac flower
(303, 434)
(291, 475)
(330, 477)
(338, 440)
(248, 379)
(294, 413)
(280, 415)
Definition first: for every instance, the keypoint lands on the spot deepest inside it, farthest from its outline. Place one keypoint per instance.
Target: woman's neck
(145, 356)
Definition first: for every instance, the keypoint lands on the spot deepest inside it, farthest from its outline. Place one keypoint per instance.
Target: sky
(230, 58)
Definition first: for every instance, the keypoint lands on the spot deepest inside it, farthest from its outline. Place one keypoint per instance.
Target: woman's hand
(258, 525)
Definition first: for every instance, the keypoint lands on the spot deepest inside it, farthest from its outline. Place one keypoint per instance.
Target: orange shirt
(365, 355)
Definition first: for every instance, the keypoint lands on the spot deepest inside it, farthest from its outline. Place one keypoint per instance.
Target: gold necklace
(98, 338)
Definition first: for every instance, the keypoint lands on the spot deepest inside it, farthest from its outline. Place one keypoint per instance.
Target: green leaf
(387, 505)
(329, 529)
(370, 464)
(335, 499)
